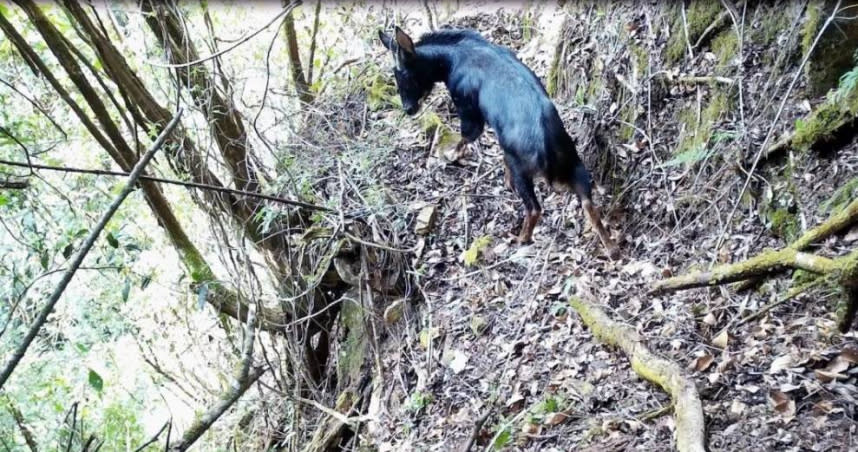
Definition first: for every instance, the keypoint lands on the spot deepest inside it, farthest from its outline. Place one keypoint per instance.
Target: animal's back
(512, 101)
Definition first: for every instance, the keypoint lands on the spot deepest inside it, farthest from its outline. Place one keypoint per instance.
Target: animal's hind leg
(523, 184)
(595, 219)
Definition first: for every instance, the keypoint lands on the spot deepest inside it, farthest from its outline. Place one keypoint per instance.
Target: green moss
(841, 197)
(832, 55)
(784, 224)
(772, 22)
(430, 122)
(725, 46)
(697, 134)
(811, 25)
(354, 348)
(838, 110)
(699, 14)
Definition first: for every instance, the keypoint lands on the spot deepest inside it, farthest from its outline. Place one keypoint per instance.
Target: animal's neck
(436, 61)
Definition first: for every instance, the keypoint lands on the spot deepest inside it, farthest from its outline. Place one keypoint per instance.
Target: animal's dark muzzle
(410, 110)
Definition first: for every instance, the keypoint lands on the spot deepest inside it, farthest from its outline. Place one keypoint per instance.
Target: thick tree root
(688, 410)
(762, 264)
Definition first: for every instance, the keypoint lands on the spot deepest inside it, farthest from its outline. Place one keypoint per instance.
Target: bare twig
(81, 254)
(706, 79)
(241, 41)
(475, 433)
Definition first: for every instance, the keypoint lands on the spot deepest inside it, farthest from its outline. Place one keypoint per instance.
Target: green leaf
(81, 347)
(502, 440)
(67, 251)
(43, 260)
(95, 380)
(477, 246)
(126, 289)
(3, 200)
(111, 240)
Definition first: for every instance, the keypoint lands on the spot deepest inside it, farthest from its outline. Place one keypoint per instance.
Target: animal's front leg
(507, 176)
(472, 125)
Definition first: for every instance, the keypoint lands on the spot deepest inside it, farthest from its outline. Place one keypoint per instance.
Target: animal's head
(411, 81)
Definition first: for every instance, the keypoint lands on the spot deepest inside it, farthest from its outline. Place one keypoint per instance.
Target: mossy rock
(833, 54)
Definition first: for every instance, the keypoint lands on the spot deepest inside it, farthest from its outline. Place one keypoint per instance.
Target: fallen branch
(687, 408)
(706, 79)
(216, 411)
(84, 250)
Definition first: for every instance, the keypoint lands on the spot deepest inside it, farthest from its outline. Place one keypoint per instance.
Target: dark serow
(489, 84)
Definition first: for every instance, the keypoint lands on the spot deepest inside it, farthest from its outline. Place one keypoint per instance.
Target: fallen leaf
(393, 313)
(478, 325)
(515, 399)
(737, 407)
(555, 418)
(473, 252)
(783, 405)
(529, 429)
(710, 319)
(780, 363)
(828, 377)
(460, 360)
(721, 340)
(425, 220)
(427, 335)
(703, 362)
(822, 407)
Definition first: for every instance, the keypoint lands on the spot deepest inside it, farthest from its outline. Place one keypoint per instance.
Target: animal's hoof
(614, 252)
(522, 240)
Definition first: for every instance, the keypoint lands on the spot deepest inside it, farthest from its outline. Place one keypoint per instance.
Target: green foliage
(690, 156)
(95, 380)
(418, 401)
(503, 439)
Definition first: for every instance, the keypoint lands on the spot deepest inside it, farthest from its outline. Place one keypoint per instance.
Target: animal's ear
(405, 43)
(386, 40)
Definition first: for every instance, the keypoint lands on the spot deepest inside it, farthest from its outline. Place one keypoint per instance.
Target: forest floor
(497, 339)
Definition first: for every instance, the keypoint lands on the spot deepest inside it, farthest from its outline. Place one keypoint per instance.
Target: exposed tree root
(842, 271)
(688, 410)
(762, 264)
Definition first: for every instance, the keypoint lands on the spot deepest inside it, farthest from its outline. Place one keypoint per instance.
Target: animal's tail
(564, 164)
